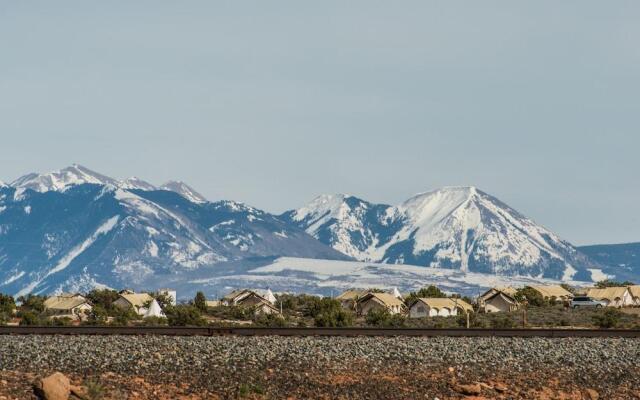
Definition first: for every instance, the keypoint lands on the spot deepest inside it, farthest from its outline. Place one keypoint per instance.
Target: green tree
(426, 292)
(103, 298)
(97, 316)
(7, 304)
(200, 301)
(609, 283)
(32, 303)
(532, 296)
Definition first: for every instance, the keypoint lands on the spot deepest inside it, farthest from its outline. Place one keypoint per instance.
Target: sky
(274, 103)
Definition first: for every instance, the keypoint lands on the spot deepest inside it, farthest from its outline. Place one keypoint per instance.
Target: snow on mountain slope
(184, 190)
(328, 277)
(457, 227)
(348, 224)
(61, 179)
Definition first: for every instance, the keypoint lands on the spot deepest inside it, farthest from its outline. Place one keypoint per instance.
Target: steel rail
(339, 332)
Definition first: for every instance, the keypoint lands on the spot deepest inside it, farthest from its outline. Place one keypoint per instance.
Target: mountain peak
(61, 179)
(136, 183)
(184, 190)
(458, 227)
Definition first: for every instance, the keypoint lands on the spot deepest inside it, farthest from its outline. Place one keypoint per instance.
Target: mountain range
(75, 229)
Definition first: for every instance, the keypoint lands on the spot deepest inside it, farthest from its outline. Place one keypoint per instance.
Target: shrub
(334, 319)
(30, 318)
(609, 318)
(95, 390)
(383, 318)
(501, 321)
(270, 321)
(327, 312)
(184, 315)
(123, 317)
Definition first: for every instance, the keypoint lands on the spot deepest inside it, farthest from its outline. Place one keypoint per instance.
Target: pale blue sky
(273, 103)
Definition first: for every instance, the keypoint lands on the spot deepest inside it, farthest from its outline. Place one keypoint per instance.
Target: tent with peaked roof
(553, 291)
(374, 301)
(442, 307)
(396, 293)
(154, 310)
(614, 296)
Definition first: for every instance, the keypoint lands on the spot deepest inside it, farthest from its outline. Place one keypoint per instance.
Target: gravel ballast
(289, 364)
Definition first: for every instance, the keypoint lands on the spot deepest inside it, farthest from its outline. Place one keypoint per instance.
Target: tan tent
(134, 301)
(619, 296)
(443, 307)
(553, 291)
(373, 301)
(73, 306)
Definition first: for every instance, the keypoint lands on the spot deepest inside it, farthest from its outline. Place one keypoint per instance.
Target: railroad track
(343, 332)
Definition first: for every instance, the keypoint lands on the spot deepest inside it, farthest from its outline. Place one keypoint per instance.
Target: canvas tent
(154, 310)
(72, 306)
(135, 301)
(349, 298)
(374, 301)
(396, 293)
(553, 292)
(613, 296)
(497, 301)
(438, 307)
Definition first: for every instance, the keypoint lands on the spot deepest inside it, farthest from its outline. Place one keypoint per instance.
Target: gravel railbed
(218, 361)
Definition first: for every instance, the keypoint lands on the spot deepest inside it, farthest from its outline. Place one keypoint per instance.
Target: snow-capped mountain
(59, 180)
(184, 190)
(457, 228)
(73, 235)
(136, 183)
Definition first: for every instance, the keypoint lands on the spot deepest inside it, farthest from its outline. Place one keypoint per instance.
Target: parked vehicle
(585, 301)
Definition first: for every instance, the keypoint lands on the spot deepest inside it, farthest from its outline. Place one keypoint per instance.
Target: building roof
(137, 299)
(64, 302)
(505, 296)
(387, 299)
(439, 303)
(610, 293)
(511, 291)
(552, 291)
(232, 295)
(351, 294)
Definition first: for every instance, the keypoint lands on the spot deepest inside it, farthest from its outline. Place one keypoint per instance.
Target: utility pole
(468, 321)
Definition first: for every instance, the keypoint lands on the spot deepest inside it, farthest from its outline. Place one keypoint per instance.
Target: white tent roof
(154, 310)
(396, 293)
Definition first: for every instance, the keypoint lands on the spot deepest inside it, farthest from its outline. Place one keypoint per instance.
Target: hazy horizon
(274, 104)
